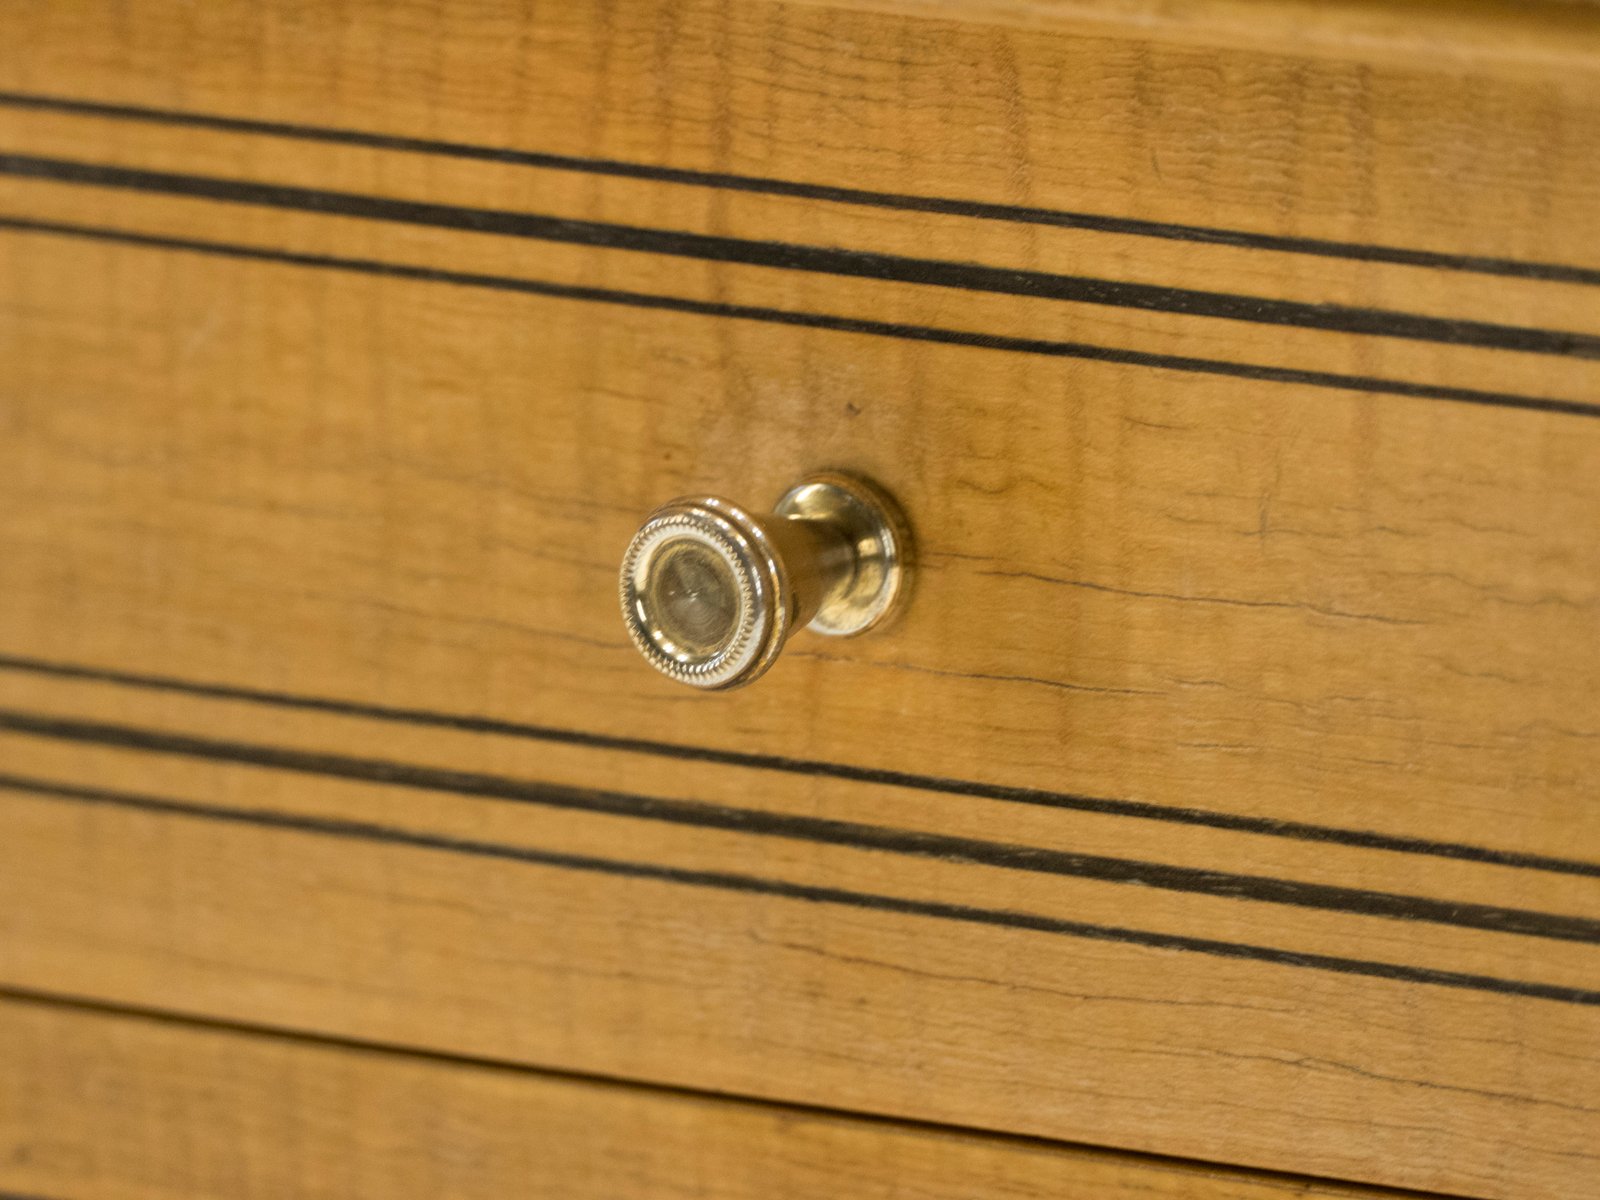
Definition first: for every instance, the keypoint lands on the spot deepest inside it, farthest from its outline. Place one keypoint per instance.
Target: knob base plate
(876, 529)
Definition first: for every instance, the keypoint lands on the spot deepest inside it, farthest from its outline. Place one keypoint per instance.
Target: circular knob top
(701, 589)
(710, 591)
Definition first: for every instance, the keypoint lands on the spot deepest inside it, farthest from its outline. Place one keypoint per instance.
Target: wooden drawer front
(1226, 791)
(368, 1124)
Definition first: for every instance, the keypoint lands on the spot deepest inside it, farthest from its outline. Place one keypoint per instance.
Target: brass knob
(711, 591)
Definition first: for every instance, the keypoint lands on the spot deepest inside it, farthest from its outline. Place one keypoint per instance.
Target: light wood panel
(1258, 597)
(105, 1105)
(1540, 37)
(1225, 792)
(345, 875)
(1428, 152)
(1178, 589)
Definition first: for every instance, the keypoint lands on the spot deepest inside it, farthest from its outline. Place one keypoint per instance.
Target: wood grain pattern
(1405, 638)
(1539, 37)
(1225, 792)
(1236, 594)
(767, 934)
(164, 1111)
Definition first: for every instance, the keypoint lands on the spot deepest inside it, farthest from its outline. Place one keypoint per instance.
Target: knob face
(701, 591)
(697, 609)
(711, 592)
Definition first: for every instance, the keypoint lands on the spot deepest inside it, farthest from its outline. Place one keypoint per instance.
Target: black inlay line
(809, 320)
(1135, 809)
(782, 889)
(823, 260)
(860, 197)
(849, 834)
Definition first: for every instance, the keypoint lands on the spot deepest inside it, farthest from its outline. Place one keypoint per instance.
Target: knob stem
(819, 559)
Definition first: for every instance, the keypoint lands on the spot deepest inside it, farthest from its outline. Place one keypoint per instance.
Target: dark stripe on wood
(1135, 809)
(792, 256)
(780, 889)
(807, 320)
(849, 834)
(762, 185)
